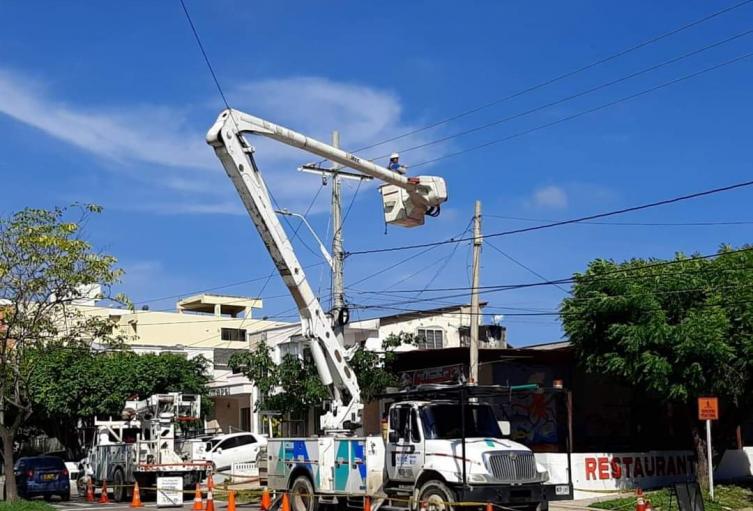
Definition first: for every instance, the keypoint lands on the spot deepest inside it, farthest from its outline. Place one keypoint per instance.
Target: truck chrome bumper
(528, 497)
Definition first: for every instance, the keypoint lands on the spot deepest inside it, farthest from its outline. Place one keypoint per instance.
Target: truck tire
(302, 496)
(436, 495)
(119, 490)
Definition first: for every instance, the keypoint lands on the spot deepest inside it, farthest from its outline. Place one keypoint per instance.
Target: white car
(224, 450)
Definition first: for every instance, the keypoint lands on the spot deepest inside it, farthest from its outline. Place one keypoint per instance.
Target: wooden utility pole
(338, 288)
(475, 310)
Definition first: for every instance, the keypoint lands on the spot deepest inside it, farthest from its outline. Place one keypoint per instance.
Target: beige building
(208, 325)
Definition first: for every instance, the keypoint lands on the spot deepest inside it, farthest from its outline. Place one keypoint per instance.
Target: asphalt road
(76, 504)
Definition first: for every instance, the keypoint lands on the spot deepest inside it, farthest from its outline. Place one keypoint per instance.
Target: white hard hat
(394, 156)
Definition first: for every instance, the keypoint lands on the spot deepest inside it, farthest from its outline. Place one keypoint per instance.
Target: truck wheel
(302, 496)
(437, 495)
(119, 491)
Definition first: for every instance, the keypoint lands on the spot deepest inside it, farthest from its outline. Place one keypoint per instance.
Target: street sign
(169, 492)
(708, 409)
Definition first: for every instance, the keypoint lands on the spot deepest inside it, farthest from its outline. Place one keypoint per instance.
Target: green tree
(679, 330)
(291, 387)
(78, 384)
(294, 385)
(374, 370)
(45, 266)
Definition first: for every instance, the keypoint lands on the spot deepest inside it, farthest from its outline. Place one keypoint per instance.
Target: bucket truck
(424, 456)
(151, 439)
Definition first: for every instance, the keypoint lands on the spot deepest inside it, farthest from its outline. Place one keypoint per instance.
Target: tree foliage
(73, 384)
(45, 266)
(294, 385)
(679, 329)
(375, 371)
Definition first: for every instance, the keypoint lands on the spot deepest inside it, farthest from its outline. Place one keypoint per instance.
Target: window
(430, 338)
(233, 334)
(229, 443)
(415, 436)
(444, 421)
(399, 421)
(245, 440)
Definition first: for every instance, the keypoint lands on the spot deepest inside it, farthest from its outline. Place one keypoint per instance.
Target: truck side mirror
(393, 437)
(504, 427)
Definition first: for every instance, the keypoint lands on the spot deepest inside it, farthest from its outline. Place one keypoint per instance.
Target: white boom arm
(408, 201)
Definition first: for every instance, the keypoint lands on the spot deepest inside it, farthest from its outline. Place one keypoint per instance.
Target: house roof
(414, 314)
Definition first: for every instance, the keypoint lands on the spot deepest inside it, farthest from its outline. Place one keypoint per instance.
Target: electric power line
(588, 111)
(560, 77)
(582, 277)
(550, 225)
(525, 267)
(632, 224)
(566, 99)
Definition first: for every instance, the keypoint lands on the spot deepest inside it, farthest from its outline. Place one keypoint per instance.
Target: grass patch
(25, 505)
(726, 497)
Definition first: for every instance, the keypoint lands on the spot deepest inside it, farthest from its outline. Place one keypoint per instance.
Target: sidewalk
(582, 504)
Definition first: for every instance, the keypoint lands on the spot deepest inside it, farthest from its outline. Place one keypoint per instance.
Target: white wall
(598, 474)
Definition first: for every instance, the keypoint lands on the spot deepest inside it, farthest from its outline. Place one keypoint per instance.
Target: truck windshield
(442, 421)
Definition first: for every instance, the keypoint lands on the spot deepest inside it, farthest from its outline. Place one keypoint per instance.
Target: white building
(208, 325)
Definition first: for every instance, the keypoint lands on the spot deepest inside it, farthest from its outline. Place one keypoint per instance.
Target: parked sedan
(43, 476)
(224, 450)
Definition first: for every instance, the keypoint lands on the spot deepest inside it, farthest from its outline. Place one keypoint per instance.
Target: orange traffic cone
(266, 501)
(640, 503)
(210, 501)
(231, 501)
(210, 482)
(136, 499)
(89, 490)
(103, 498)
(489, 506)
(367, 503)
(285, 502)
(198, 503)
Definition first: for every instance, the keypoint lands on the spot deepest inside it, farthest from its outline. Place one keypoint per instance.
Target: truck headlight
(481, 478)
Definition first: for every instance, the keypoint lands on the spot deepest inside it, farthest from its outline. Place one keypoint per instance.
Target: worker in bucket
(394, 164)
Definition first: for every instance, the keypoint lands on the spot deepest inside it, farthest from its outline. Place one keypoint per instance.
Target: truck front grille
(514, 467)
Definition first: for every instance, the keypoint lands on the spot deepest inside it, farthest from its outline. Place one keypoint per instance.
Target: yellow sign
(708, 408)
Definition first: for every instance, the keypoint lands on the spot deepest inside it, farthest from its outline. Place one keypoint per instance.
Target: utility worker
(394, 164)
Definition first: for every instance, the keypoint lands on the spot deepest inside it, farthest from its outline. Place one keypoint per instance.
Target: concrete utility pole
(338, 288)
(475, 311)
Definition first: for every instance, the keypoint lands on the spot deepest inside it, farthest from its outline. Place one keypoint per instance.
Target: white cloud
(167, 154)
(552, 197)
(133, 134)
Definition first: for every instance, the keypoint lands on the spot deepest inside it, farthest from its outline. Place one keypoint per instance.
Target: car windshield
(443, 421)
(42, 463)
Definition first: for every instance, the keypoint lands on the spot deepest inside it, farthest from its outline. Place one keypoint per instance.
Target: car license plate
(562, 489)
(49, 477)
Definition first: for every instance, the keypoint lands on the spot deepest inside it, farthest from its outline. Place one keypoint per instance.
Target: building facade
(207, 325)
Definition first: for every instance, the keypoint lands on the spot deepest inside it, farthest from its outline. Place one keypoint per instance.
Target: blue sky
(109, 103)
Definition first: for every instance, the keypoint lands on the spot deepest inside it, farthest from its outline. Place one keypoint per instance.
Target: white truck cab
(437, 451)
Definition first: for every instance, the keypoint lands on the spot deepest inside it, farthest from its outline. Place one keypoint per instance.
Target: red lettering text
(603, 468)
(590, 469)
(650, 466)
(616, 468)
(660, 466)
(638, 468)
(671, 469)
(627, 461)
(682, 465)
